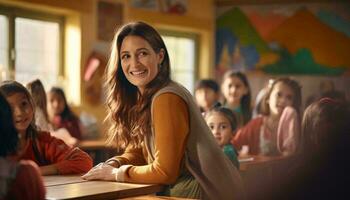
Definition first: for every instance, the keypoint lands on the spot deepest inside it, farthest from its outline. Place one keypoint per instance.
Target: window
(183, 57)
(31, 46)
(4, 46)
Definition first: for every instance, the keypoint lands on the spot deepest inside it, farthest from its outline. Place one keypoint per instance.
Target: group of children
(276, 130)
(318, 138)
(165, 137)
(27, 148)
(52, 113)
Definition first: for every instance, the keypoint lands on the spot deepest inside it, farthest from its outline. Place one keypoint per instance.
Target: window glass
(37, 45)
(182, 54)
(4, 47)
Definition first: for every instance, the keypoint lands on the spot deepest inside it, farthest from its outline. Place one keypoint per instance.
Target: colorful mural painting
(290, 39)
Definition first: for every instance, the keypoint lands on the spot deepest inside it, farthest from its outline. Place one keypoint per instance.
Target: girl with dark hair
(166, 138)
(60, 114)
(237, 96)
(277, 130)
(18, 180)
(207, 94)
(51, 154)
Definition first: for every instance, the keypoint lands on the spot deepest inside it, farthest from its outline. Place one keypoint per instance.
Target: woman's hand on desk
(101, 171)
(113, 162)
(104, 171)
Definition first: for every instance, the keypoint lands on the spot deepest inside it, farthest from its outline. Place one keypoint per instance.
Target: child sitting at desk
(37, 91)
(222, 122)
(51, 154)
(321, 170)
(276, 132)
(61, 115)
(18, 180)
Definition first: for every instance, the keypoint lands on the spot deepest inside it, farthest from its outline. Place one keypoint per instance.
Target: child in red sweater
(51, 154)
(18, 180)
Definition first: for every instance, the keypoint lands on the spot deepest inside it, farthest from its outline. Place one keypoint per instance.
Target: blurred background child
(51, 154)
(207, 94)
(322, 168)
(222, 122)
(18, 180)
(276, 131)
(237, 96)
(37, 90)
(61, 115)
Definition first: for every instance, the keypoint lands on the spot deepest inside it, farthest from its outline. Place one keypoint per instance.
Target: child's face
(22, 111)
(233, 90)
(220, 127)
(206, 97)
(56, 103)
(281, 96)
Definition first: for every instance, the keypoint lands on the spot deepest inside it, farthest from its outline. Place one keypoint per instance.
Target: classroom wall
(306, 41)
(82, 40)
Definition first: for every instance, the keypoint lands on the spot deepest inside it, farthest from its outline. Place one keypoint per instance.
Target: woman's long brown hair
(129, 111)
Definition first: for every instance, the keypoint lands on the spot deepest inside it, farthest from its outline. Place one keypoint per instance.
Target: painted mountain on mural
(303, 43)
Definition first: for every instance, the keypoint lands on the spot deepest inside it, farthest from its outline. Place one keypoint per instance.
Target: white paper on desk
(246, 159)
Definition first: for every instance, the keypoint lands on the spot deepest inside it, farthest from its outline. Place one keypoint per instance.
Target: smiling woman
(139, 61)
(156, 120)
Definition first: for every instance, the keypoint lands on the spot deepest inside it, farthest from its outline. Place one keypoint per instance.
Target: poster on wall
(110, 16)
(307, 39)
(168, 6)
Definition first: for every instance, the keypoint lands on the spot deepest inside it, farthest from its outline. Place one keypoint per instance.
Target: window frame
(193, 37)
(12, 13)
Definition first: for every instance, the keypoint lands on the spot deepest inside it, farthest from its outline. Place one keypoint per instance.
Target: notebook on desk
(248, 159)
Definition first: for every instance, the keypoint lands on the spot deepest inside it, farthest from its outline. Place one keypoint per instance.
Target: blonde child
(222, 122)
(51, 154)
(276, 131)
(237, 96)
(36, 89)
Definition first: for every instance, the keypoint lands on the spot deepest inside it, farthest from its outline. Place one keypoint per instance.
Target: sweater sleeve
(67, 160)
(171, 127)
(248, 135)
(132, 156)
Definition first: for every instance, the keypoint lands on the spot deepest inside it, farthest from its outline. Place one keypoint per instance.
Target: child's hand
(244, 151)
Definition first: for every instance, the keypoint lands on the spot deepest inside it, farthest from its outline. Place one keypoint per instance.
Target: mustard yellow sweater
(171, 127)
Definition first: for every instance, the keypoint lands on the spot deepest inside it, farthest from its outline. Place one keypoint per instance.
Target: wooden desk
(261, 174)
(73, 187)
(61, 180)
(260, 161)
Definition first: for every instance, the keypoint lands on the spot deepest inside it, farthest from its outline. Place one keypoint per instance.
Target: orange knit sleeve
(171, 127)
